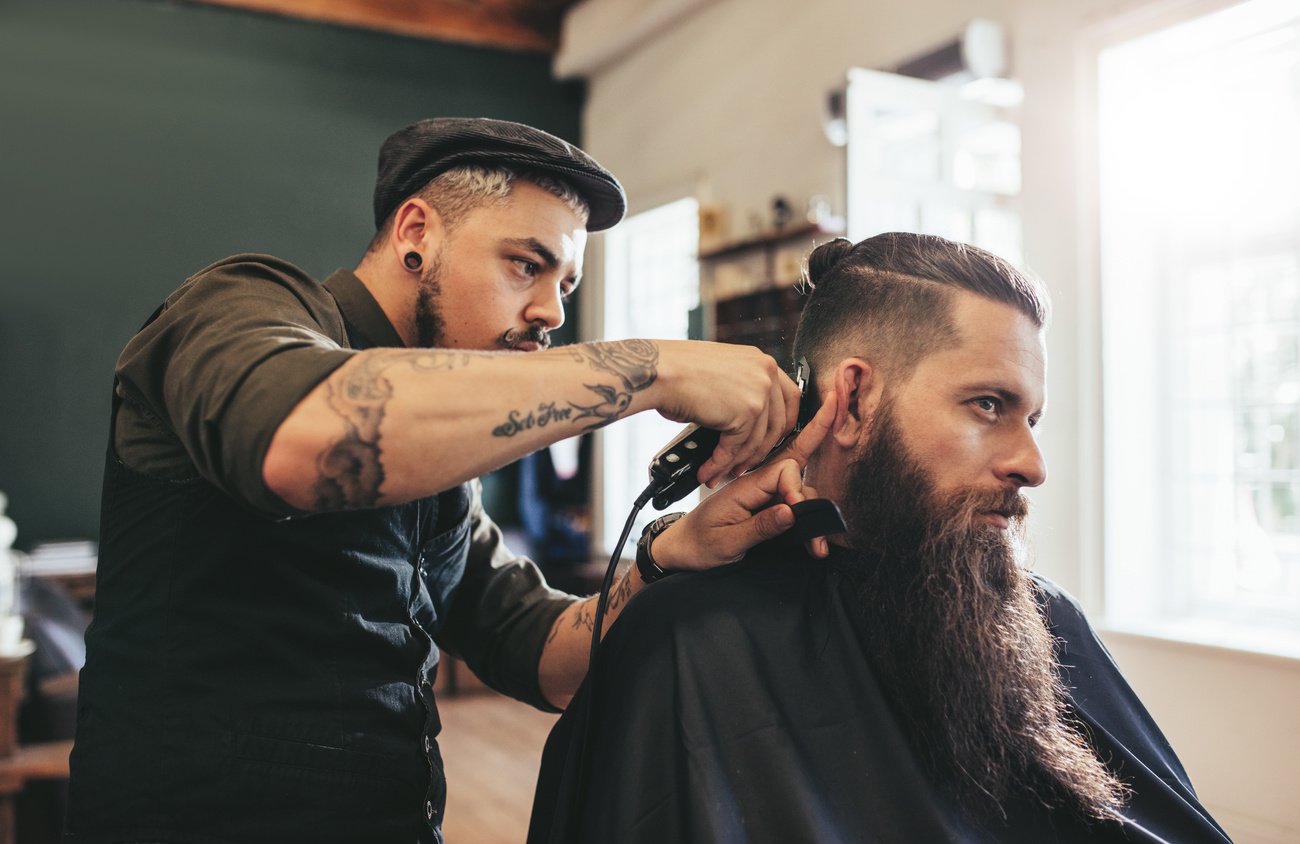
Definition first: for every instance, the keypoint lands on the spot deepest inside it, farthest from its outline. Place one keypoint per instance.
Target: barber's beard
(958, 641)
(429, 324)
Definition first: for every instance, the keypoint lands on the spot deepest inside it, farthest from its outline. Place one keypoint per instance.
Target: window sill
(1277, 647)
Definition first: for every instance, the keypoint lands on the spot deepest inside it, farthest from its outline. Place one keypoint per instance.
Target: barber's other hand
(736, 390)
(749, 510)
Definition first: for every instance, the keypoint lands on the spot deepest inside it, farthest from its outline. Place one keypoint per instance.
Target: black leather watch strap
(645, 563)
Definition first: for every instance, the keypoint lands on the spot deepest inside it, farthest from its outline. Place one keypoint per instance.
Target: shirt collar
(361, 312)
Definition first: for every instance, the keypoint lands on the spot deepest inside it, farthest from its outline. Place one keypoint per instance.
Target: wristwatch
(645, 564)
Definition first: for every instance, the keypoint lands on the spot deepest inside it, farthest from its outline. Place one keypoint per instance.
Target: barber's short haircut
(458, 191)
(889, 298)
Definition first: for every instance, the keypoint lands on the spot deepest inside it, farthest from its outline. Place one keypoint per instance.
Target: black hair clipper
(675, 469)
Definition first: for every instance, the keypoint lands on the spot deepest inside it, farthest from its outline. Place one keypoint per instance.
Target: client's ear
(858, 389)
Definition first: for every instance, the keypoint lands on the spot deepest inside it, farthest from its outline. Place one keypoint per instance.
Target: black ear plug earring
(412, 260)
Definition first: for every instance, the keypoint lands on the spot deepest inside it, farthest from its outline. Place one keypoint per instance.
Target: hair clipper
(675, 469)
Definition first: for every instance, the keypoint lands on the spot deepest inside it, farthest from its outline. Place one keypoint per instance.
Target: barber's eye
(529, 267)
(566, 291)
(988, 404)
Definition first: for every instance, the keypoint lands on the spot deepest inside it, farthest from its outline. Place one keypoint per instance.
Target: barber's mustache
(513, 337)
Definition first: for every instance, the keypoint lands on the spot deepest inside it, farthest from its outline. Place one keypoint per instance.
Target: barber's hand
(736, 390)
(750, 509)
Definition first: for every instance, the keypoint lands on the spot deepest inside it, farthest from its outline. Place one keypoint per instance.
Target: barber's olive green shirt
(235, 348)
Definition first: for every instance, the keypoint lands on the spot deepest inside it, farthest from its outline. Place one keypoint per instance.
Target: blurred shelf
(764, 241)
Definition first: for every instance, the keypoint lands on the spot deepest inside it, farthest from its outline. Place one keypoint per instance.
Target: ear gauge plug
(413, 260)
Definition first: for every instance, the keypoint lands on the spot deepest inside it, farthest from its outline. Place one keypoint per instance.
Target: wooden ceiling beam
(508, 24)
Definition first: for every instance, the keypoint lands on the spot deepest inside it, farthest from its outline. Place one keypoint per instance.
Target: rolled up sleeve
(231, 353)
(503, 613)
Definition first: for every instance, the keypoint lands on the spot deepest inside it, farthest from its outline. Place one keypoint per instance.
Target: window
(935, 157)
(1199, 128)
(651, 288)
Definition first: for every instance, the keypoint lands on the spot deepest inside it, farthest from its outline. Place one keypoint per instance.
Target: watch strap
(645, 563)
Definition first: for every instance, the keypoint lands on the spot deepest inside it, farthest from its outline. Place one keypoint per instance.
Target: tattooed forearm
(433, 359)
(622, 591)
(545, 414)
(350, 471)
(635, 362)
(578, 618)
(360, 394)
(582, 615)
(584, 618)
(363, 390)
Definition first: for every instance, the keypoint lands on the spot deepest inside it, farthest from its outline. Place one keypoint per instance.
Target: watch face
(665, 520)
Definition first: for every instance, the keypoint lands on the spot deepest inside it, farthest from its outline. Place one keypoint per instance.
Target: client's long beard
(958, 642)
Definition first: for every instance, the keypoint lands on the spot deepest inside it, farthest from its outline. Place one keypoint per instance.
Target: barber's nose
(1024, 465)
(546, 308)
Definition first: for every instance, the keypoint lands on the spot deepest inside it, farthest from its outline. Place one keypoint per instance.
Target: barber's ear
(857, 391)
(417, 226)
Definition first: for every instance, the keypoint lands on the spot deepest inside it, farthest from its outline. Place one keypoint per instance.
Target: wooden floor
(491, 747)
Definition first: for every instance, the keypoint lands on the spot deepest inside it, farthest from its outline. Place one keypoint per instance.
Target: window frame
(1092, 445)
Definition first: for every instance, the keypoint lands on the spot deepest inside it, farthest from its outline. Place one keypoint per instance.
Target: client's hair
(889, 297)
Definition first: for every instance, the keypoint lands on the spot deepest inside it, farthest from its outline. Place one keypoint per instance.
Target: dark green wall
(140, 141)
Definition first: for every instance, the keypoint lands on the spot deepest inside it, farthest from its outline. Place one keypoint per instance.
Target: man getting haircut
(919, 684)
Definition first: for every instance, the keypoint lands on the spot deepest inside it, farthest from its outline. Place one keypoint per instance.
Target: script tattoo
(634, 362)
(545, 414)
(350, 470)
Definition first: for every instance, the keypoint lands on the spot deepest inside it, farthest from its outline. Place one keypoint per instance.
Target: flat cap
(412, 156)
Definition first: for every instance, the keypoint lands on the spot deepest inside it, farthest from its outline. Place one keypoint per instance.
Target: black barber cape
(737, 705)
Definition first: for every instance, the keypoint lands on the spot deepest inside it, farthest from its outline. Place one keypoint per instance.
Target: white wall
(726, 104)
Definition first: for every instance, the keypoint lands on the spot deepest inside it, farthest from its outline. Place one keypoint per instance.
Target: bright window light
(935, 158)
(1199, 154)
(652, 283)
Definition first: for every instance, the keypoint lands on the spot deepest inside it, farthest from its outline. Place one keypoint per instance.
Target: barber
(291, 524)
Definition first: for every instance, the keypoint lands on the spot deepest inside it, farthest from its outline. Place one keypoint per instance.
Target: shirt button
(428, 745)
(428, 809)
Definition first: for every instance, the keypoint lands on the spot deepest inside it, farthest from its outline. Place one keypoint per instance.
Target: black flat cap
(411, 157)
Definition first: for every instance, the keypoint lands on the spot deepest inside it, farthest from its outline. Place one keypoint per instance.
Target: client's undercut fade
(889, 298)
